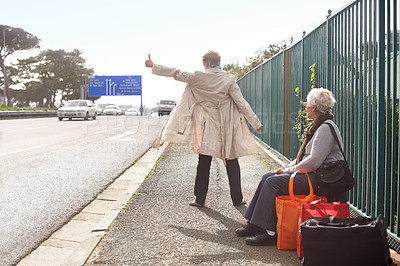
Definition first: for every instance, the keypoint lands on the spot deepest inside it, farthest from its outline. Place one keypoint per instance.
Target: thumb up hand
(149, 62)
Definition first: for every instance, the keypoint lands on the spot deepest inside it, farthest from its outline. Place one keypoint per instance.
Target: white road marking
(26, 129)
(122, 137)
(22, 150)
(108, 130)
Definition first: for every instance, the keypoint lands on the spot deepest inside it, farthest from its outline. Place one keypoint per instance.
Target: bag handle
(291, 194)
(321, 201)
(335, 205)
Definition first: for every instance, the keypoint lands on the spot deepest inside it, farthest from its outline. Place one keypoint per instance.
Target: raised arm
(169, 72)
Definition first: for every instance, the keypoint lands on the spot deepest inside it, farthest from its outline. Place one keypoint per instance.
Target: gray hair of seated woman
(322, 98)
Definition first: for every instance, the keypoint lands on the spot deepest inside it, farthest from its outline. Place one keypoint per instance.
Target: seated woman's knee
(273, 180)
(266, 176)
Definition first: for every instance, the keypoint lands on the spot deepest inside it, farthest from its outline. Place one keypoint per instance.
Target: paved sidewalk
(158, 227)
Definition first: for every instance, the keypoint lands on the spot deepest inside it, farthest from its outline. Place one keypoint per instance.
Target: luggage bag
(319, 209)
(345, 241)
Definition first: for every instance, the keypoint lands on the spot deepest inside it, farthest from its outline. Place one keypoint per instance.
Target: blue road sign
(115, 85)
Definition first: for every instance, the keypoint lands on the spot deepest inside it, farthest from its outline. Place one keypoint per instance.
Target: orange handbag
(288, 211)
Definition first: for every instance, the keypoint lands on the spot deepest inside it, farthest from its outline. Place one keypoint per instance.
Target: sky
(116, 36)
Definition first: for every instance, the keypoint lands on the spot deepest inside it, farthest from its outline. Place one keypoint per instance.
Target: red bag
(318, 208)
(288, 211)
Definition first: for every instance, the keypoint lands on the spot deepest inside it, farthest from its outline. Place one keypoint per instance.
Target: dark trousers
(262, 210)
(203, 177)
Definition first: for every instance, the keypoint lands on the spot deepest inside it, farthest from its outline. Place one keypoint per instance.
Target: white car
(77, 109)
(99, 110)
(165, 107)
(132, 111)
(112, 110)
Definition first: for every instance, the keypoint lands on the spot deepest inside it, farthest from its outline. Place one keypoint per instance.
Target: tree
(59, 73)
(258, 58)
(236, 70)
(13, 40)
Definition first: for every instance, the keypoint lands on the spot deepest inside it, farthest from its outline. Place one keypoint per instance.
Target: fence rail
(356, 52)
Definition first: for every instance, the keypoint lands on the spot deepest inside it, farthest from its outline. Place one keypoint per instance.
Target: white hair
(322, 98)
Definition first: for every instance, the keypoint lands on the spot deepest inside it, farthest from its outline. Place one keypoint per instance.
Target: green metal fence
(356, 53)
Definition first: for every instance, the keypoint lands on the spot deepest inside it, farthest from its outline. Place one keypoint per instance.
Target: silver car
(112, 110)
(77, 109)
(132, 111)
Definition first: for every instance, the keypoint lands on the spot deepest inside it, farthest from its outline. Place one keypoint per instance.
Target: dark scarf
(309, 132)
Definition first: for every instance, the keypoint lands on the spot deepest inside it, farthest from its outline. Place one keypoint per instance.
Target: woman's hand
(279, 171)
(149, 62)
(258, 129)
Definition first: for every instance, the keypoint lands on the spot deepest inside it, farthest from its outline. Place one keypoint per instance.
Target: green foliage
(313, 76)
(15, 39)
(50, 74)
(235, 69)
(301, 120)
(4, 107)
(258, 58)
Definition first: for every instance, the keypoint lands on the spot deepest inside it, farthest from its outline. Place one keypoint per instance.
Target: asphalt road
(50, 170)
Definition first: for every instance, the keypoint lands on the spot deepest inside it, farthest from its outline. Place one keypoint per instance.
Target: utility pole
(4, 66)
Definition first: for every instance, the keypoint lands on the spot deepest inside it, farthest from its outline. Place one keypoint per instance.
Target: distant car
(77, 109)
(112, 110)
(99, 110)
(165, 107)
(132, 111)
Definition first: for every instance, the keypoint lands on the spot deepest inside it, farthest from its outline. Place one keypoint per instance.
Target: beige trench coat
(209, 115)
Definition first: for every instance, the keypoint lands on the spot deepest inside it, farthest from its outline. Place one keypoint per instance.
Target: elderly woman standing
(209, 117)
(318, 148)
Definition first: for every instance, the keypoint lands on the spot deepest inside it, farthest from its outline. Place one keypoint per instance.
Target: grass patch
(8, 108)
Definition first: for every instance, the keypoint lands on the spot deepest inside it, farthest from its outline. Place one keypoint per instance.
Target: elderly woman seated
(319, 147)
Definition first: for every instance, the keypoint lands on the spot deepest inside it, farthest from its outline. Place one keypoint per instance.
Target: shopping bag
(288, 211)
(331, 241)
(318, 208)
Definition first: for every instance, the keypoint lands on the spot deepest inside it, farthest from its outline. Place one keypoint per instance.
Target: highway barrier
(4, 115)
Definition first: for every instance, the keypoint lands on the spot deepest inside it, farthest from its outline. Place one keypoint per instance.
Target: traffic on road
(50, 170)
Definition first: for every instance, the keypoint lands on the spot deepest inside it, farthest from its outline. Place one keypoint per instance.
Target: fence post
(380, 131)
(301, 75)
(328, 51)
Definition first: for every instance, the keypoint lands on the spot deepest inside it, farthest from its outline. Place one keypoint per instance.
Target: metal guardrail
(4, 115)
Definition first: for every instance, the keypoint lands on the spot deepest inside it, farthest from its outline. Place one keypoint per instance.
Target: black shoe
(240, 203)
(195, 204)
(248, 230)
(261, 239)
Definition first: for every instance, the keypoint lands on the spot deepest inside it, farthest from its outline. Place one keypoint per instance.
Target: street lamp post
(4, 66)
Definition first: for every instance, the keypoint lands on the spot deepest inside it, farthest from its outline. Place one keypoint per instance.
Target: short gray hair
(322, 98)
(211, 59)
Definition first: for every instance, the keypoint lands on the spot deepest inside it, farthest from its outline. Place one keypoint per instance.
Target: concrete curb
(75, 241)
(269, 153)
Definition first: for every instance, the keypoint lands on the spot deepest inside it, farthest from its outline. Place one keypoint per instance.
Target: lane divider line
(108, 130)
(22, 150)
(123, 137)
(26, 129)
